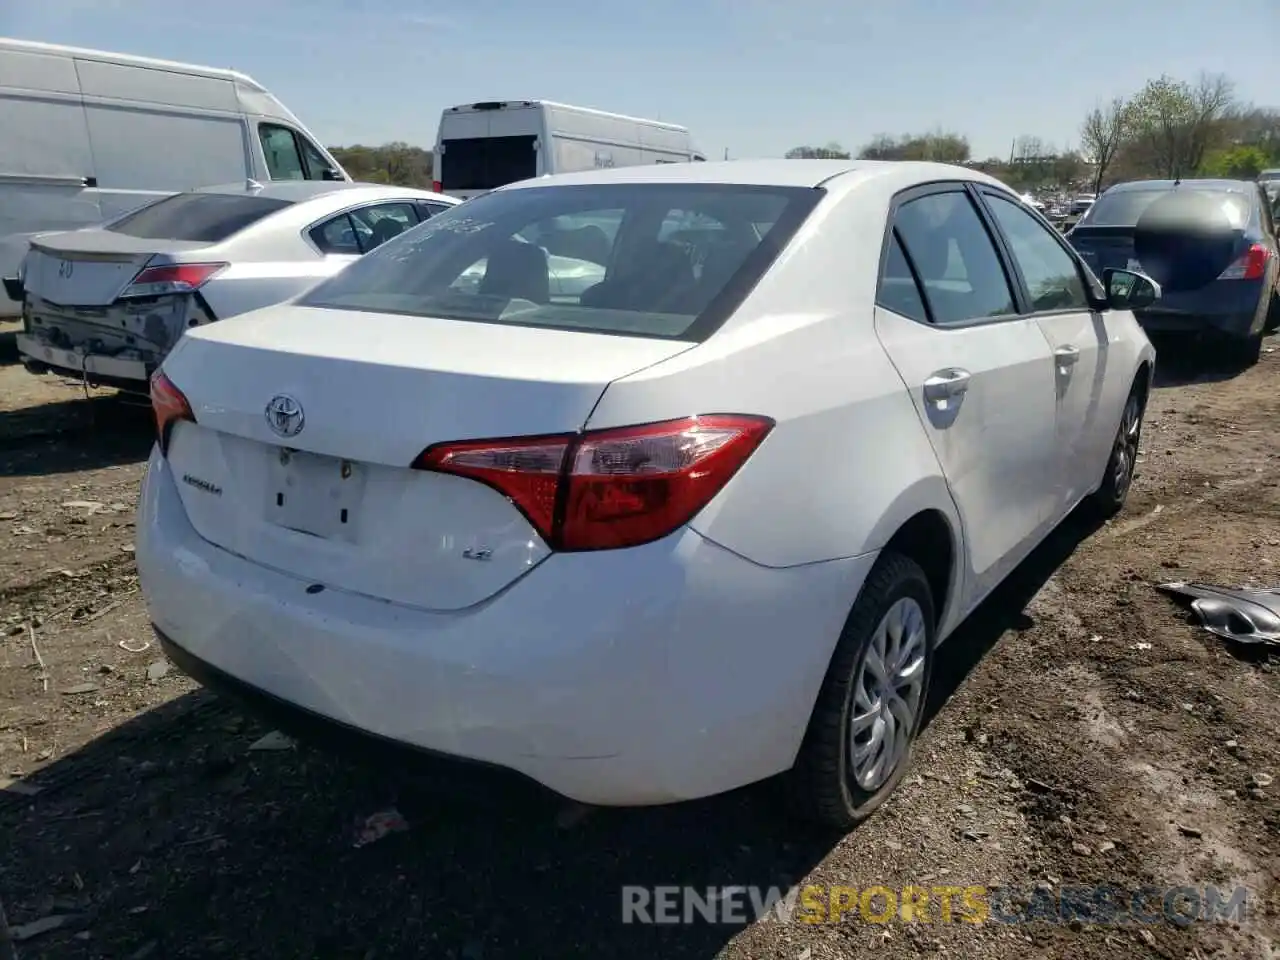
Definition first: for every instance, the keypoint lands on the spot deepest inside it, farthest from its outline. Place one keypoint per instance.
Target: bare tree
(1212, 99)
(1029, 148)
(1102, 135)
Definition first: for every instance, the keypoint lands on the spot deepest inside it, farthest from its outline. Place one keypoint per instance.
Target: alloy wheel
(888, 695)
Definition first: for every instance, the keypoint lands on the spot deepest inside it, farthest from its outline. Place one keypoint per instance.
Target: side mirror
(330, 174)
(1127, 290)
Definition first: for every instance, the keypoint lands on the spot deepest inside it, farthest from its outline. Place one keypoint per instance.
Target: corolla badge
(284, 415)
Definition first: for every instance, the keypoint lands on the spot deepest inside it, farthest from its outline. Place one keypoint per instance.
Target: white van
(87, 136)
(483, 146)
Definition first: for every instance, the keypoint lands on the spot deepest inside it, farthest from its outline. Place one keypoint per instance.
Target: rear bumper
(1226, 307)
(108, 371)
(667, 672)
(456, 775)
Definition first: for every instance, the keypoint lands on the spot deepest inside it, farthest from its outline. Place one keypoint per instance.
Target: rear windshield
(486, 163)
(670, 261)
(204, 217)
(1122, 208)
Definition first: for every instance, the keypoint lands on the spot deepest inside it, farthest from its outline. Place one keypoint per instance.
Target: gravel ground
(1085, 733)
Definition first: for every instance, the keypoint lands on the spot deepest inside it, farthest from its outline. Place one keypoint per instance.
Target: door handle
(1067, 355)
(946, 384)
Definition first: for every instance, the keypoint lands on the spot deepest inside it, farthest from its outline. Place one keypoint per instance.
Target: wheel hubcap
(1126, 451)
(887, 694)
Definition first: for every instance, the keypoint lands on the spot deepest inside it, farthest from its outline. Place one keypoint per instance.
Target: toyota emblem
(284, 415)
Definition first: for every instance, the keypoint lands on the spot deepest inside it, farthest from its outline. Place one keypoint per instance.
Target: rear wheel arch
(923, 525)
(929, 539)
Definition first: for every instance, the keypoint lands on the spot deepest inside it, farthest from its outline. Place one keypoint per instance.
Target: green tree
(1174, 124)
(939, 146)
(397, 163)
(1242, 162)
(832, 151)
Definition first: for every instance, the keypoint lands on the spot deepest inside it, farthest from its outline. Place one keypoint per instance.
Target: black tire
(1272, 323)
(822, 786)
(1109, 498)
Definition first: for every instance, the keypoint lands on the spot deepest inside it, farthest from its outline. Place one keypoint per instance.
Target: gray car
(106, 304)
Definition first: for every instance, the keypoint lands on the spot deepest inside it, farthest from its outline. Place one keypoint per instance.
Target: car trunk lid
(362, 394)
(1104, 248)
(91, 268)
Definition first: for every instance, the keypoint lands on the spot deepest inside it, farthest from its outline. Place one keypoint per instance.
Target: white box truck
(86, 136)
(483, 146)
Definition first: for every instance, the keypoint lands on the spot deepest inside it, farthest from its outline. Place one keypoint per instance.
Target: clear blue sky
(753, 76)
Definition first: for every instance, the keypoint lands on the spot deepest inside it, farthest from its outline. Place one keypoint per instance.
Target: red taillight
(1251, 266)
(436, 186)
(169, 405)
(605, 489)
(172, 278)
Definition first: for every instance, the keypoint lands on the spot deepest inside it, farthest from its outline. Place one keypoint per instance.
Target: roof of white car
(771, 173)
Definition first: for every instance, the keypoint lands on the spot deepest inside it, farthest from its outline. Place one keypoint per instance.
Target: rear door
(980, 374)
(1053, 291)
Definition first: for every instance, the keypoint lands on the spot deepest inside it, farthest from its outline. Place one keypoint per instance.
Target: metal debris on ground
(378, 825)
(158, 670)
(36, 928)
(20, 787)
(1240, 614)
(275, 740)
(571, 815)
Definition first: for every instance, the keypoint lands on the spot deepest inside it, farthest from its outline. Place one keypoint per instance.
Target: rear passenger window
(377, 224)
(897, 290)
(955, 258)
(337, 236)
(428, 210)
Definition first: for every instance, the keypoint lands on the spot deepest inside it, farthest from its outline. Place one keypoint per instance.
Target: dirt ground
(1086, 733)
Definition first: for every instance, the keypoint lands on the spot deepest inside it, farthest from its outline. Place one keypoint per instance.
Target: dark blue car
(1236, 309)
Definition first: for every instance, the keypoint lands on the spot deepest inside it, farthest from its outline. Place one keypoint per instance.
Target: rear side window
(486, 163)
(360, 230)
(200, 217)
(1122, 208)
(897, 289)
(427, 210)
(954, 257)
(599, 258)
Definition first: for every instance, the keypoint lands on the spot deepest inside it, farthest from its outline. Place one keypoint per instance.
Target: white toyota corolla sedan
(701, 522)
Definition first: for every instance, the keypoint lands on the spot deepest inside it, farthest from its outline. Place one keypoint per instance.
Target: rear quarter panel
(248, 286)
(269, 263)
(847, 462)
